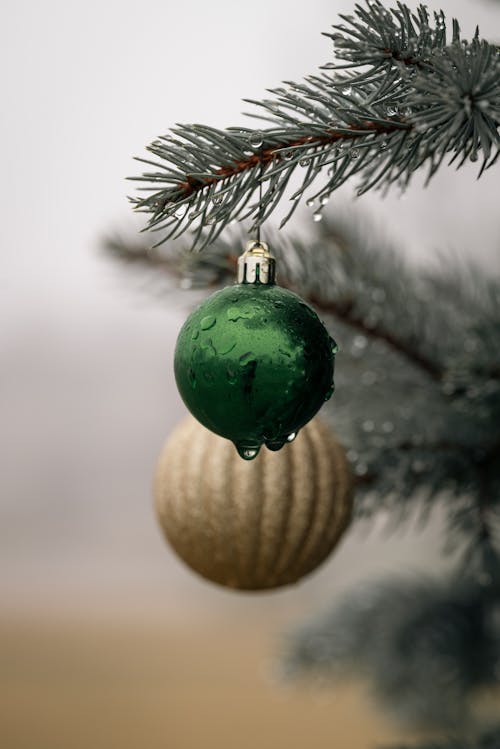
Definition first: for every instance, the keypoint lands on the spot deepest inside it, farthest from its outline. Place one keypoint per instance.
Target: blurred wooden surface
(100, 685)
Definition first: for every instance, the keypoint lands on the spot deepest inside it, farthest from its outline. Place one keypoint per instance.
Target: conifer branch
(345, 311)
(400, 96)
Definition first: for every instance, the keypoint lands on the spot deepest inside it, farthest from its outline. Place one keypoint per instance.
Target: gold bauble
(253, 525)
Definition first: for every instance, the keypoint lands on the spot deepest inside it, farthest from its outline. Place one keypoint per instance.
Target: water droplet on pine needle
(359, 343)
(361, 469)
(378, 295)
(368, 378)
(418, 466)
(256, 139)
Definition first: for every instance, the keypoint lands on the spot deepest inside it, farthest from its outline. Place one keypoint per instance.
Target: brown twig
(266, 156)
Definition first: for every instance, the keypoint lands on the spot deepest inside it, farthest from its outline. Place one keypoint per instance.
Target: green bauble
(254, 363)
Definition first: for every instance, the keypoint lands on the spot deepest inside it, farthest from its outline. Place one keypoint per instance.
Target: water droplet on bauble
(246, 359)
(275, 445)
(247, 453)
(208, 322)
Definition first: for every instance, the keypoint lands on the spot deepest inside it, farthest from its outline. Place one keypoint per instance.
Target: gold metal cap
(256, 264)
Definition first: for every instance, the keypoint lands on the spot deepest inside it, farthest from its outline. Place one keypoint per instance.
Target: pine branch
(345, 311)
(425, 647)
(399, 97)
(488, 740)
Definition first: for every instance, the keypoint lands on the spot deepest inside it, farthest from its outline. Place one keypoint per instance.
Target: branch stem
(344, 312)
(266, 156)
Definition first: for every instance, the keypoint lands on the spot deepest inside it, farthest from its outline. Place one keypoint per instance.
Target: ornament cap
(256, 265)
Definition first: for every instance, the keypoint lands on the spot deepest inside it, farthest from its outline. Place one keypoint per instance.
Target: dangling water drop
(275, 445)
(247, 358)
(318, 216)
(369, 378)
(361, 469)
(256, 139)
(247, 453)
(418, 466)
(333, 344)
(181, 211)
(291, 437)
(309, 203)
(324, 200)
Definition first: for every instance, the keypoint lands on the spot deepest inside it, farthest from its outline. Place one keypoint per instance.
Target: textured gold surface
(252, 525)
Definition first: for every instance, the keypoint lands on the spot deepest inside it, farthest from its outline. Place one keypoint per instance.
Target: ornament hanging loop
(261, 175)
(256, 265)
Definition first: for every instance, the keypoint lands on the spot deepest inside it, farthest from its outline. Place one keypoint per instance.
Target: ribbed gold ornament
(252, 525)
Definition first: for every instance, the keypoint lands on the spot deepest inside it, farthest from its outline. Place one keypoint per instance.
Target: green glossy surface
(254, 363)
